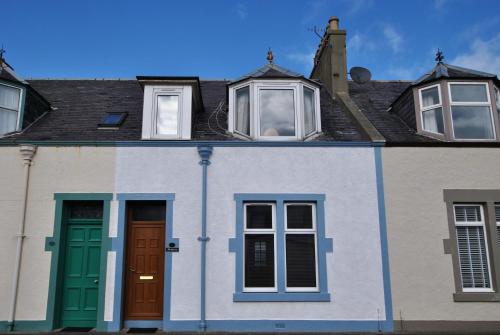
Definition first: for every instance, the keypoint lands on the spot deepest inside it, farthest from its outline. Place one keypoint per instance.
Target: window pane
(473, 257)
(8, 121)
(300, 260)
(9, 97)
(242, 114)
(472, 122)
(259, 260)
(259, 216)
(167, 115)
(85, 209)
(433, 120)
(277, 113)
(299, 217)
(430, 97)
(309, 113)
(147, 210)
(497, 216)
(468, 93)
(468, 214)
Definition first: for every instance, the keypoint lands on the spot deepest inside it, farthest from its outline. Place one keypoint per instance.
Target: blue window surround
(118, 245)
(324, 245)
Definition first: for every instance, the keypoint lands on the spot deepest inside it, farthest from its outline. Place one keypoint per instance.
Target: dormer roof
(447, 71)
(272, 71)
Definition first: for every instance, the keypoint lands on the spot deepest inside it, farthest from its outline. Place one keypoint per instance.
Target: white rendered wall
(345, 175)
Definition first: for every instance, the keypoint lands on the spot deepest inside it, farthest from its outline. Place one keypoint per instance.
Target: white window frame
(20, 104)
(481, 104)
(255, 86)
(150, 111)
(425, 109)
(497, 220)
(474, 224)
(254, 231)
(311, 231)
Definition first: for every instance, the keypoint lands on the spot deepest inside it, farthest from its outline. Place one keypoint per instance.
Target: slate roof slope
(81, 104)
(374, 99)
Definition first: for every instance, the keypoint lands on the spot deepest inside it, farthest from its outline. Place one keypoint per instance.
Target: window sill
(476, 297)
(289, 296)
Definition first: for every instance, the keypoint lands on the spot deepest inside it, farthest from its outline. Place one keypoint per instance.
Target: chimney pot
(333, 23)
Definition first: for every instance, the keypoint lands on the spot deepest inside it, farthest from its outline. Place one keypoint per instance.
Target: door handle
(96, 281)
(131, 269)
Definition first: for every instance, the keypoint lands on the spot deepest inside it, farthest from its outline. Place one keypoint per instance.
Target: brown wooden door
(144, 270)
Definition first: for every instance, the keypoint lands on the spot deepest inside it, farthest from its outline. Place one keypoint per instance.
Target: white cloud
(394, 39)
(359, 42)
(241, 11)
(484, 55)
(305, 59)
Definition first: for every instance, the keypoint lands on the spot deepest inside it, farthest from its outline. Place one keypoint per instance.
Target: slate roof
(443, 70)
(80, 105)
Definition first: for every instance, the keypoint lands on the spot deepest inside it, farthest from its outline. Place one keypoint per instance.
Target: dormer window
(170, 103)
(471, 111)
(274, 110)
(10, 107)
(432, 109)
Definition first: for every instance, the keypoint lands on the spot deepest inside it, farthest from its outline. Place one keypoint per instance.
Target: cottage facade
(274, 202)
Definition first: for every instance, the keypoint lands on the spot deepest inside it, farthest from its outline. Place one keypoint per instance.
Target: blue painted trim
(383, 239)
(118, 245)
(205, 153)
(325, 245)
(281, 296)
(196, 143)
(143, 323)
(283, 326)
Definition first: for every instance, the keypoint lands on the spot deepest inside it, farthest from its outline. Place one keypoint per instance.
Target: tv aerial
(360, 75)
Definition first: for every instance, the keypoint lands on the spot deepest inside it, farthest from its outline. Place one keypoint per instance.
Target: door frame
(55, 245)
(118, 246)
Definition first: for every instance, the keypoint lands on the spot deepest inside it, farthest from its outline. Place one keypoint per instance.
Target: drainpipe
(205, 152)
(27, 154)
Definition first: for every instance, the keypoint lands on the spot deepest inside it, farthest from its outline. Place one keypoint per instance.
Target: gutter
(205, 152)
(27, 153)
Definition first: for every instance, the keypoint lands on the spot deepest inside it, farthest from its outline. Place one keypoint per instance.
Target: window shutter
(497, 219)
(472, 247)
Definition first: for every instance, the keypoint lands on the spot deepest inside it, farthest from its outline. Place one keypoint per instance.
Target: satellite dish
(360, 75)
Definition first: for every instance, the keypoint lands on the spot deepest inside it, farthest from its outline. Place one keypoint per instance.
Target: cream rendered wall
(345, 175)
(54, 170)
(421, 274)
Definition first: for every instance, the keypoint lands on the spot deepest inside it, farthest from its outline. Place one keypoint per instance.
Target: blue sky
(225, 39)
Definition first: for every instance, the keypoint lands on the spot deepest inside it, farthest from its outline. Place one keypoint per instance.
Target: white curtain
(243, 111)
(9, 106)
(430, 121)
(8, 121)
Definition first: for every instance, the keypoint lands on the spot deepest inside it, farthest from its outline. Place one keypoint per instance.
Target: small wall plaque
(172, 249)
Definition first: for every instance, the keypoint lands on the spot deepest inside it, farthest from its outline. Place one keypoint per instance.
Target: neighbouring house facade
(273, 202)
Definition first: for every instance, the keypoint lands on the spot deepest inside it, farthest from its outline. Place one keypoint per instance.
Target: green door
(80, 288)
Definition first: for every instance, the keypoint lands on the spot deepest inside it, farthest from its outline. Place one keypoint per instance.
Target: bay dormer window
(10, 108)
(276, 110)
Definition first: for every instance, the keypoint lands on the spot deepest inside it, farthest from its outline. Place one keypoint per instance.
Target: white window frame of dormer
(19, 108)
(485, 104)
(255, 86)
(425, 109)
(150, 111)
